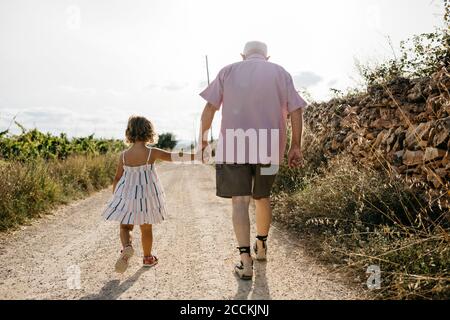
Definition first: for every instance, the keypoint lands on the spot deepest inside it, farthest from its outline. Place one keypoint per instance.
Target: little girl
(138, 196)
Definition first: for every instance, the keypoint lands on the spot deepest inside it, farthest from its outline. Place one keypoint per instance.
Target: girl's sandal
(150, 261)
(244, 271)
(125, 255)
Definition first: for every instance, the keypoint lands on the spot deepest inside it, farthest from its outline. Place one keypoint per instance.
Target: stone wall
(403, 126)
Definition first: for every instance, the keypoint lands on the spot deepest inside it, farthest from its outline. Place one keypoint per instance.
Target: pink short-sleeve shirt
(256, 97)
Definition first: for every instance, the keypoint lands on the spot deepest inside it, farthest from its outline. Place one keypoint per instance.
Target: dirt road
(71, 253)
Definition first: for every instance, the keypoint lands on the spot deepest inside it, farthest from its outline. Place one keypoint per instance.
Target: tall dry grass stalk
(30, 189)
(358, 216)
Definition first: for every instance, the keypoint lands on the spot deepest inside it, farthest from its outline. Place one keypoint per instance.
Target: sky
(82, 67)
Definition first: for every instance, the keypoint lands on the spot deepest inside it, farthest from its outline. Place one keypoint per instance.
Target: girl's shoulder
(123, 153)
(152, 154)
(137, 156)
(126, 150)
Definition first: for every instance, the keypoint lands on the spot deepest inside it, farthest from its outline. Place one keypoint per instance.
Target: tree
(166, 141)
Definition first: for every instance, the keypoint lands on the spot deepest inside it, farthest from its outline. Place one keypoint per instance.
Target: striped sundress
(138, 198)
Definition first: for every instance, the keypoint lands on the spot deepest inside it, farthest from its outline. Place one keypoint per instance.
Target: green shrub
(420, 56)
(166, 141)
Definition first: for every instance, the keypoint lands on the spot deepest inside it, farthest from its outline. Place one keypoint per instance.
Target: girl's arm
(119, 172)
(159, 154)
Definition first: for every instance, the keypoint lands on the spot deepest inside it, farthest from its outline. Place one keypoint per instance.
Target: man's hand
(198, 155)
(204, 152)
(204, 144)
(295, 157)
(205, 125)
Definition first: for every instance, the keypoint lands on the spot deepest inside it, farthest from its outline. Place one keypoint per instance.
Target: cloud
(45, 119)
(150, 87)
(175, 86)
(202, 84)
(171, 86)
(332, 82)
(75, 90)
(55, 117)
(307, 79)
(72, 122)
(116, 93)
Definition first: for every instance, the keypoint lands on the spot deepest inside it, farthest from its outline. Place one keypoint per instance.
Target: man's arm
(295, 156)
(206, 120)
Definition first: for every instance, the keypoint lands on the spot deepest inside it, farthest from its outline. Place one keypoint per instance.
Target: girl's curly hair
(140, 129)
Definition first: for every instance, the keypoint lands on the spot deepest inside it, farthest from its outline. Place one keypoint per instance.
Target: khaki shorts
(234, 180)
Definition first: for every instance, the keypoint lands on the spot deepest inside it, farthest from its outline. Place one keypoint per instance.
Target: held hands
(204, 144)
(295, 157)
(203, 153)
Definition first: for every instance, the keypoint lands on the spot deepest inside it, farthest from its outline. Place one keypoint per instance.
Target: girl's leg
(127, 252)
(147, 239)
(125, 234)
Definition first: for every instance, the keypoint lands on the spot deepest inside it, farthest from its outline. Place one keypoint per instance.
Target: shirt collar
(256, 56)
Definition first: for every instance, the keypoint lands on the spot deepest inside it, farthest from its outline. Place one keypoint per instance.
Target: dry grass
(30, 189)
(358, 216)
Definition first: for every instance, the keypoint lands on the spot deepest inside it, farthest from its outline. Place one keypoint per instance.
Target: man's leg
(235, 181)
(263, 216)
(241, 224)
(261, 193)
(263, 221)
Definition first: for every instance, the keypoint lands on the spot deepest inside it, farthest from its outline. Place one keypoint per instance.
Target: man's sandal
(244, 270)
(261, 252)
(125, 255)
